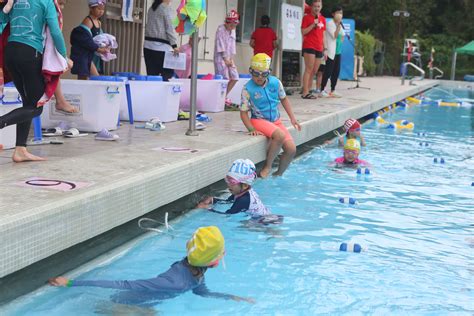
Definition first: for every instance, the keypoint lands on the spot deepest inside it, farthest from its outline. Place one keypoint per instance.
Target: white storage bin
(98, 103)
(235, 95)
(153, 99)
(210, 95)
(10, 100)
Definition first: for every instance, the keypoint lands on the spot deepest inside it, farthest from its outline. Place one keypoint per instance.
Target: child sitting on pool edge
(351, 155)
(239, 179)
(204, 250)
(352, 128)
(261, 96)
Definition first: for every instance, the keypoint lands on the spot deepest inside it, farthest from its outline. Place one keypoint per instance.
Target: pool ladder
(418, 78)
(441, 73)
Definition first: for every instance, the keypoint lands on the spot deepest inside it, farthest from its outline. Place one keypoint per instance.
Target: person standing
(160, 37)
(24, 61)
(224, 51)
(334, 36)
(264, 38)
(312, 28)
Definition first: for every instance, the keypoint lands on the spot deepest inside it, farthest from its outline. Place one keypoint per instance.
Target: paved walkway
(126, 179)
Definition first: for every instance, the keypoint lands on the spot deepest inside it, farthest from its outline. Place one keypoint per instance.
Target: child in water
(239, 179)
(351, 155)
(352, 128)
(204, 250)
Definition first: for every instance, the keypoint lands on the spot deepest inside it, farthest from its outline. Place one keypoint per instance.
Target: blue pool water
(414, 218)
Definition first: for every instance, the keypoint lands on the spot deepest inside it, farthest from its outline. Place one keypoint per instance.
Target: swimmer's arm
(203, 291)
(362, 140)
(159, 283)
(340, 141)
(241, 204)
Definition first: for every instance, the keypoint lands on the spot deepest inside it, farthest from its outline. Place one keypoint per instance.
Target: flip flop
(203, 117)
(309, 96)
(73, 133)
(52, 132)
(200, 126)
(66, 112)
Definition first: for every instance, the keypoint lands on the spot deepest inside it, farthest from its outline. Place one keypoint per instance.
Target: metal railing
(405, 70)
(441, 73)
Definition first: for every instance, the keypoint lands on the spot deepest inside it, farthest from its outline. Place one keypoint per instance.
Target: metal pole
(453, 65)
(194, 65)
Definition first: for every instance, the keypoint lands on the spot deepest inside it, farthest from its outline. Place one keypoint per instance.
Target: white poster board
(292, 16)
(172, 61)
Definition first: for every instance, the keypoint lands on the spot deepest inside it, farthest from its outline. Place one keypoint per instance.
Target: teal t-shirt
(27, 20)
(339, 44)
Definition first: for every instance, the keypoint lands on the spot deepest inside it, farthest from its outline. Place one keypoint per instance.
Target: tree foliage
(441, 24)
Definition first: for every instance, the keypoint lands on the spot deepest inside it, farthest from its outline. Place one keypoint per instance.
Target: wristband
(251, 129)
(69, 283)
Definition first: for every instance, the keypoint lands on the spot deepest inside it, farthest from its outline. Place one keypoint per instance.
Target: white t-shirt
(329, 39)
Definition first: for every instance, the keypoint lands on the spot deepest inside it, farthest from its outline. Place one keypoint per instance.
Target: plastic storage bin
(152, 97)
(210, 94)
(98, 101)
(8, 102)
(235, 94)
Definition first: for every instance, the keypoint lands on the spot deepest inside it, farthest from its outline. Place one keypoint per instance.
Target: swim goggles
(263, 74)
(354, 152)
(215, 263)
(231, 181)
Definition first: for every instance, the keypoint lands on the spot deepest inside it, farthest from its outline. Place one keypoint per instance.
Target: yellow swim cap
(205, 246)
(261, 62)
(352, 144)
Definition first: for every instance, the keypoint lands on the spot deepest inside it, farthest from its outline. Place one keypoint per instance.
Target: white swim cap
(243, 171)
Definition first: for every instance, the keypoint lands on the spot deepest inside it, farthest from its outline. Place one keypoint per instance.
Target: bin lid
(154, 78)
(124, 74)
(9, 84)
(146, 78)
(107, 78)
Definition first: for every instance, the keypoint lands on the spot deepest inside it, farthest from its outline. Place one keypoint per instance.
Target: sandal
(309, 96)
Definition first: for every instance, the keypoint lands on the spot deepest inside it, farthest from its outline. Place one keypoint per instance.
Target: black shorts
(321, 68)
(317, 53)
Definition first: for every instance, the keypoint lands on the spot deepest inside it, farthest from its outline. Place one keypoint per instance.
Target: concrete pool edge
(144, 193)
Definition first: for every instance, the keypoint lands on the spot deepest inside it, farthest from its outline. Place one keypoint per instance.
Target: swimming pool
(413, 216)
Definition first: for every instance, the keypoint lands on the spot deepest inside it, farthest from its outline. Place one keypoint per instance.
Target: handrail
(421, 77)
(441, 73)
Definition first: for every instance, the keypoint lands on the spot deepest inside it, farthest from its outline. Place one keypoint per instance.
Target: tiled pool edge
(49, 229)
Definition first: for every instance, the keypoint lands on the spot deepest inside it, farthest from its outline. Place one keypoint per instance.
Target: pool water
(414, 219)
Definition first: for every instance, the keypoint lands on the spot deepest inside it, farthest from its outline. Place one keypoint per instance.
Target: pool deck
(134, 176)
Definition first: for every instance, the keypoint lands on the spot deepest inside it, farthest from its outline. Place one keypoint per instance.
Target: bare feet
(277, 174)
(1, 147)
(22, 155)
(66, 107)
(265, 172)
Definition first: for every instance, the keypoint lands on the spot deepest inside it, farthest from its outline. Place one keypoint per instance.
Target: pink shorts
(267, 128)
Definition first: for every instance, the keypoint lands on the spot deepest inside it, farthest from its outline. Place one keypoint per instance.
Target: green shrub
(365, 46)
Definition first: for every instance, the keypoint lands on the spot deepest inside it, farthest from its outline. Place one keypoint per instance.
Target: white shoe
(334, 94)
(323, 94)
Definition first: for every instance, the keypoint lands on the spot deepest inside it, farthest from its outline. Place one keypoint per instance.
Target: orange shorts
(267, 128)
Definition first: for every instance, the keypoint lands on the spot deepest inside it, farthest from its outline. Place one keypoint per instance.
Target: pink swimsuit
(358, 161)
